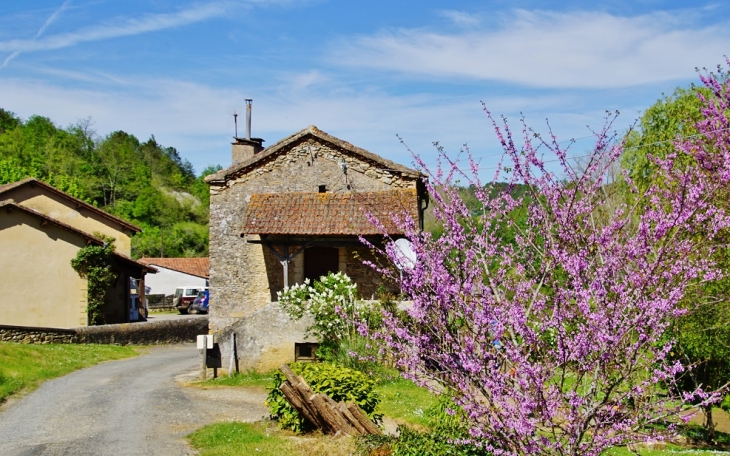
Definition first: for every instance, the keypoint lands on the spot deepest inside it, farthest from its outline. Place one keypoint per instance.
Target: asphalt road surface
(129, 407)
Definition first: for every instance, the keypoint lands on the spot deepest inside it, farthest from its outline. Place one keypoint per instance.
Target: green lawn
(248, 379)
(224, 439)
(405, 402)
(264, 438)
(24, 367)
(669, 450)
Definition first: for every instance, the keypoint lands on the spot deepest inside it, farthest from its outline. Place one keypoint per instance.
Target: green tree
(145, 183)
(703, 336)
(661, 124)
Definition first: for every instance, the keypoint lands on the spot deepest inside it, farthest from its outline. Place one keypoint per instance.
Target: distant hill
(143, 182)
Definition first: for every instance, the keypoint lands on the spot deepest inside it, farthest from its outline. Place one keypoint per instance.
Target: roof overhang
(329, 214)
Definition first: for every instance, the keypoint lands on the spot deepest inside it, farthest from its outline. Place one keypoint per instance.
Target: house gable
(314, 139)
(36, 266)
(65, 208)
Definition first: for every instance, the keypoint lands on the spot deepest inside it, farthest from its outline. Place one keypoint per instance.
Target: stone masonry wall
(28, 335)
(158, 332)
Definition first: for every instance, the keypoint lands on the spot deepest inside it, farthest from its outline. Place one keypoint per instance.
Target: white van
(184, 296)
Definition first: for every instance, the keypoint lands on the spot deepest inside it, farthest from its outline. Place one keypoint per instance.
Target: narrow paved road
(129, 407)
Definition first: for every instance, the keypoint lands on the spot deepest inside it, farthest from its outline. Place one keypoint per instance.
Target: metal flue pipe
(248, 118)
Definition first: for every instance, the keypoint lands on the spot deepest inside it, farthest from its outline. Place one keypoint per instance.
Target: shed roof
(10, 205)
(328, 213)
(32, 181)
(199, 267)
(311, 131)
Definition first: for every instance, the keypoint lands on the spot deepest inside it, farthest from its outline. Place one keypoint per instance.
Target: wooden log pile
(322, 411)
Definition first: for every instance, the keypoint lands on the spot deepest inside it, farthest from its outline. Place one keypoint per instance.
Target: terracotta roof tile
(327, 213)
(199, 267)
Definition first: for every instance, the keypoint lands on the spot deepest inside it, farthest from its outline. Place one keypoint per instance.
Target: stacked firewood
(331, 417)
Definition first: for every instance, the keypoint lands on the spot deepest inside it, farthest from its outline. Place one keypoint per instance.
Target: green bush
(339, 383)
(413, 443)
(725, 404)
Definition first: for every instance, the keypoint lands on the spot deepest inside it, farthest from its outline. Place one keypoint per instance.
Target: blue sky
(362, 71)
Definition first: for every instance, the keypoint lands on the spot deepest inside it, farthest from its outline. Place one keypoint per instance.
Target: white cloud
(196, 118)
(549, 49)
(119, 28)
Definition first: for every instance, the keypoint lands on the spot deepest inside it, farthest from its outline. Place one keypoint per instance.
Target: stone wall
(148, 333)
(265, 339)
(29, 335)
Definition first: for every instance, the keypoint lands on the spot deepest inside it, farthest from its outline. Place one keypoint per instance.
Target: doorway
(319, 261)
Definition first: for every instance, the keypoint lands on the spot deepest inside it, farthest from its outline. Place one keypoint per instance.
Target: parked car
(184, 296)
(200, 305)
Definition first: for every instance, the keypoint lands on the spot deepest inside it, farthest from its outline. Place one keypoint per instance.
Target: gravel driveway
(137, 406)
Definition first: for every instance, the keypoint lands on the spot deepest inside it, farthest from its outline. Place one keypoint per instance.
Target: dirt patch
(224, 403)
(720, 417)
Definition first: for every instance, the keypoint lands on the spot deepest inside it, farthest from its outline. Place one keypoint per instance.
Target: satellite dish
(405, 256)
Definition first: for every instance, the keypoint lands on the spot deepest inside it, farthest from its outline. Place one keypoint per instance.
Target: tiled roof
(327, 213)
(79, 203)
(312, 131)
(11, 205)
(199, 267)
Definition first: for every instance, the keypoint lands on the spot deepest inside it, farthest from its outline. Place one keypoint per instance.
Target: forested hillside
(143, 182)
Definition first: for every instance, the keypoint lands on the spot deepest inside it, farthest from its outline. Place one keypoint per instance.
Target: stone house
(41, 230)
(176, 272)
(291, 211)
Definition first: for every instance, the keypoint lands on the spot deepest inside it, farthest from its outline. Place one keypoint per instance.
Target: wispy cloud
(549, 49)
(460, 18)
(119, 28)
(51, 19)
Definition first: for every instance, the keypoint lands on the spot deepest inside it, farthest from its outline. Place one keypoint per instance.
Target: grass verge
(248, 379)
(24, 367)
(264, 438)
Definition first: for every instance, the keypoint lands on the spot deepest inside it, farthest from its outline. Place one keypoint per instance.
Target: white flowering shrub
(327, 300)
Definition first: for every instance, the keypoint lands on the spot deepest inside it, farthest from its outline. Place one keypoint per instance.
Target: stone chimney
(243, 149)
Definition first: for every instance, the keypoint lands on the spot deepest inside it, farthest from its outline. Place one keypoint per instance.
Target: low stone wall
(29, 335)
(148, 333)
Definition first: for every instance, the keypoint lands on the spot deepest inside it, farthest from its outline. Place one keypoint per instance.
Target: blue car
(201, 302)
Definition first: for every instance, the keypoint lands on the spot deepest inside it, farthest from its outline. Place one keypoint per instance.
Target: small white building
(176, 272)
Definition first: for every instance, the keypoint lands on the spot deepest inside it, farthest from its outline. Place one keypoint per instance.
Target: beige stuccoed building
(292, 211)
(41, 231)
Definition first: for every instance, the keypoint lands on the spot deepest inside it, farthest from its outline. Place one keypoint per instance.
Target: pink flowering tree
(554, 342)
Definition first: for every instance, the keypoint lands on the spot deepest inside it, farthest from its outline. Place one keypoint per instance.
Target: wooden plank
(293, 397)
(363, 418)
(306, 394)
(333, 417)
(289, 374)
(335, 410)
(342, 407)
